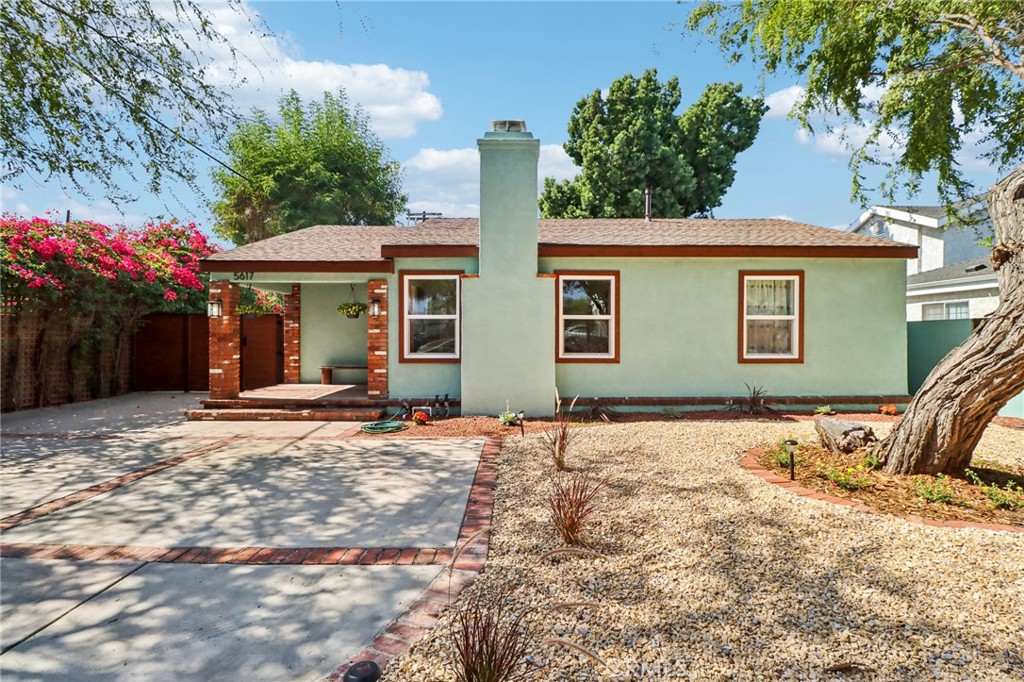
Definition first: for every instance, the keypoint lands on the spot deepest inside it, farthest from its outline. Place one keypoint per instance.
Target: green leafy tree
(632, 139)
(93, 87)
(318, 164)
(927, 75)
(946, 71)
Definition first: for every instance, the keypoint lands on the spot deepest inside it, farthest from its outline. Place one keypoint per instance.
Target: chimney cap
(508, 126)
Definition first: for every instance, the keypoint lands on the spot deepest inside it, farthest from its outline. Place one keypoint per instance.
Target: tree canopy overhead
(632, 139)
(319, 163)
(922, 78)
(93, 87)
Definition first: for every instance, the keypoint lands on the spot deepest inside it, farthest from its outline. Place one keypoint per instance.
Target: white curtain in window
(770, 297)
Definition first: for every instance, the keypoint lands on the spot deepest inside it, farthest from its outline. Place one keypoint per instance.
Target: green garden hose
(388, 425)
(383, 427)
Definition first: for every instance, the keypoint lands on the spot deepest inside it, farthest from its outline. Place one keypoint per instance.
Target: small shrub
(421, 418)
(556, 441)
(889, 409)
(508, 417)
(670, 413)
(1010, 496)
(571, 503)
(488, 641)
(824, 409)
(870, 461)
(935, 490)
(851, 478)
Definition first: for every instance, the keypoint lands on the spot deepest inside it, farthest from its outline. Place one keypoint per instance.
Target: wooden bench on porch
(327, 371)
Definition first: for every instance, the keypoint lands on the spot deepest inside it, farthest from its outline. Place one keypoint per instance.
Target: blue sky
(432, 75)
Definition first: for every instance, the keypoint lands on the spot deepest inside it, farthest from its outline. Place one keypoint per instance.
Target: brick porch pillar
(225, 343)
(292, 354)
(377, 342)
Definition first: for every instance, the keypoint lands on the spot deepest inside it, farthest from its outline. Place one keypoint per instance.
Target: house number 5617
(242, 276)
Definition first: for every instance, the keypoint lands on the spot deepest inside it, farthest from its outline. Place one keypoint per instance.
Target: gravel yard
(709, 573)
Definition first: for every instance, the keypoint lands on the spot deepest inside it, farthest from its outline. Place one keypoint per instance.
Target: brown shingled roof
(368, 249)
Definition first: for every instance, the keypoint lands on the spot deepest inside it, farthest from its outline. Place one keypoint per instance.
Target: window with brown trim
(771, 316)
(429, 328)
(588, 316)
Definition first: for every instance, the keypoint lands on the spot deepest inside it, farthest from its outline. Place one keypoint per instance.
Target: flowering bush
(889, 409)
(79, 290)
(84, 266)
(421, 418)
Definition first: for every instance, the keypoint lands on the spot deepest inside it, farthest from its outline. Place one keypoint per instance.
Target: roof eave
(724, 251)
(383, 265)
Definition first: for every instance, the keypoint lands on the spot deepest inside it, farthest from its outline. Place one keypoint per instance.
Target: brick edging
(249, 556)
(750, 462)
(420, 618)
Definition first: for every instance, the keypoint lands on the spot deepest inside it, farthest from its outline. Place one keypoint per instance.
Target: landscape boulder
(842, 436)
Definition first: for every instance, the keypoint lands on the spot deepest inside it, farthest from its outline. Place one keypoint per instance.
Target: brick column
(225, 343)
(292, 355)
(377, 342)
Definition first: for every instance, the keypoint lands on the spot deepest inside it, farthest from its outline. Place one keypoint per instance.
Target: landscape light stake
(790, 444)
(522, 427)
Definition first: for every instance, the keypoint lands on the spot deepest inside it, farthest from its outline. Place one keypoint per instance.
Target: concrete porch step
(348, 414)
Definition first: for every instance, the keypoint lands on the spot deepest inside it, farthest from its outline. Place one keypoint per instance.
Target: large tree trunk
(950, 411)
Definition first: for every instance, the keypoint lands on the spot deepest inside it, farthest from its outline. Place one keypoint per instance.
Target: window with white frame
(771, 327)
(587, 316)
(430, 316)
(957, 310)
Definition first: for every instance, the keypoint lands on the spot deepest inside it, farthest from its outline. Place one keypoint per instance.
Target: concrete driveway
(140, 546)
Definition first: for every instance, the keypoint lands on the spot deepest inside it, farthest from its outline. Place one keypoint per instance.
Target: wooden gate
(262, 351)
(171, 353)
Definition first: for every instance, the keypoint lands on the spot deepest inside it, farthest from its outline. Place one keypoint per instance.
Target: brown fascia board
(296, 266)
(429, 251)
(635, 251)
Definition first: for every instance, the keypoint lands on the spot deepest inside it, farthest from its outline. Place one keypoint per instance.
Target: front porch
(312, 402)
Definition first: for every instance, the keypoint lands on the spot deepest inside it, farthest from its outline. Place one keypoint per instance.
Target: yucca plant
(571, 503)
(557, 440)
(489, 640)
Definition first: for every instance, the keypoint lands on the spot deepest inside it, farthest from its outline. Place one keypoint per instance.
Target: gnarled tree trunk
(963, 393)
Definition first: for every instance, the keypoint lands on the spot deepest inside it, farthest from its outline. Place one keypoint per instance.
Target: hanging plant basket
(352, 310)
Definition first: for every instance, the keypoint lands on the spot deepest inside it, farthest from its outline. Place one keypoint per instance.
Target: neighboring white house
(951, 278)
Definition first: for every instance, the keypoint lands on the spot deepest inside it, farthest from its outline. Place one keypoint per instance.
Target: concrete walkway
(138, 545)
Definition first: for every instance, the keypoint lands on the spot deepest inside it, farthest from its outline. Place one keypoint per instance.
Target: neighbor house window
(959, 310)
(588, 304)
(771, 316)
(430, 316)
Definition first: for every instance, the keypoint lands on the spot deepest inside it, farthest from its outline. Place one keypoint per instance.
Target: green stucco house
(634, 311)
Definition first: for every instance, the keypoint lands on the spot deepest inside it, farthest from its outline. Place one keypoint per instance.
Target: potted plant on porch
(352, 309)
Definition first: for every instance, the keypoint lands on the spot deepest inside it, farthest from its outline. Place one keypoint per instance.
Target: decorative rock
(843, 437)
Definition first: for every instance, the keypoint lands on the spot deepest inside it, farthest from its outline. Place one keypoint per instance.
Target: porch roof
(342, 248)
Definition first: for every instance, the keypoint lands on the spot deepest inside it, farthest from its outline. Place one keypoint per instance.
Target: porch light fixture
(374, 308)
(214, 307)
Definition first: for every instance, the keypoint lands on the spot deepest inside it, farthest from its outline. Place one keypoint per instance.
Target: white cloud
(555, 163)
(843, 139)
(781, 102)
(448, 181)
(395, 99)
(781, 216)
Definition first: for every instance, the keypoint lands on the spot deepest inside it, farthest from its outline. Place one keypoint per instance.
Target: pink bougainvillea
(53, 264)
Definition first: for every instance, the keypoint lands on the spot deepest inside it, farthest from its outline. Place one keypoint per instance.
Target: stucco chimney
(508, 200)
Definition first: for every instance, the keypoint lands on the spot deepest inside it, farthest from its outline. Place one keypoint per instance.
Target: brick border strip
(750, 463)
(46, 508)
(422, 615)
(250, 556)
